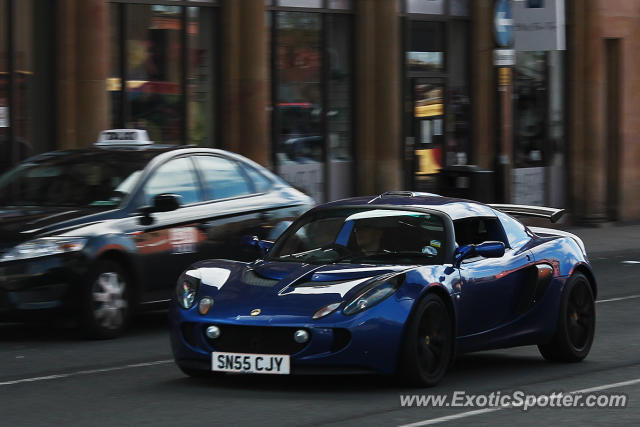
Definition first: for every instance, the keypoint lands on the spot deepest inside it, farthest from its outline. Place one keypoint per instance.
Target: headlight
(373, 294)
(44, 247)
(186, 291)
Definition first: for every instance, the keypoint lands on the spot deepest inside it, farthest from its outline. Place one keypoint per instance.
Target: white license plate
(248, 363)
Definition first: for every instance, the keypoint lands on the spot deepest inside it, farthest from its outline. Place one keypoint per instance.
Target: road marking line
(489, 410)
(452, 417)
(630, 262)
(618, 299)
(86, 372)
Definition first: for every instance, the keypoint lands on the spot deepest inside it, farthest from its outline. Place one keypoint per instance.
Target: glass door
(428, 132)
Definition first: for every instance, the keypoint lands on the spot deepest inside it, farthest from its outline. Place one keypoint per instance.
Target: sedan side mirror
(161, 203)
(490, 249)
(166, 202)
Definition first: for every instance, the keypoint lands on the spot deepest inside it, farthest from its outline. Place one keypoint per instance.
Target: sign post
(504, 60)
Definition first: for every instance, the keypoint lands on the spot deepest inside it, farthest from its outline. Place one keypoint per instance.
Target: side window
(260, 182)
(177, 177)
(516, 232)
(222, 178)
(472, 231)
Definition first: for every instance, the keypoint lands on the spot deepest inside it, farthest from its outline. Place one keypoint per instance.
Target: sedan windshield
(370, 235)
(76, 180)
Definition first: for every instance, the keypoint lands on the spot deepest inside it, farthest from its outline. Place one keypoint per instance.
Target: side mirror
(264, 246)
(166, 202)
(161, 203)
(490, 249)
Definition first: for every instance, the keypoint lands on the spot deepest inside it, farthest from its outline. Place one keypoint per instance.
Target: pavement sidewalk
(610, 238)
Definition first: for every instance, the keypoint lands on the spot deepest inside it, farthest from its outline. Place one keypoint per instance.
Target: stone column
(378, 141)
(587, 156)
(83, 55)
(66, 70)
(483, 84)
(245, 88)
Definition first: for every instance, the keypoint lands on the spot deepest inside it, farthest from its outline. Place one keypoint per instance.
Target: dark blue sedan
(397, 283)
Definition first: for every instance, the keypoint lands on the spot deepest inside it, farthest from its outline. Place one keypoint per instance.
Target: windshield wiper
(331, 246)
(300, 254)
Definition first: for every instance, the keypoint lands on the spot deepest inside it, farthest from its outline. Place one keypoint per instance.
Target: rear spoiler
(552, 214)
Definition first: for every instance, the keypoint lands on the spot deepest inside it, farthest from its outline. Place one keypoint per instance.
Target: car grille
(256, 339)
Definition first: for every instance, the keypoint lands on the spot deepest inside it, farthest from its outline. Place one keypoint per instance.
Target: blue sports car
(399, 284)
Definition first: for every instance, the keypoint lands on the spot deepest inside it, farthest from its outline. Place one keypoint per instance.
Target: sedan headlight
(373, 294)
(44, 247)
(186, 291)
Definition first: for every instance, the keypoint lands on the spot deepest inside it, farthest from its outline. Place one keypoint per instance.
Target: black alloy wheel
(576, 323)
(428, 343)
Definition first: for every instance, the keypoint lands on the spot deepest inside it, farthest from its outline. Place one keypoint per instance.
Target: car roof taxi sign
(123, 138)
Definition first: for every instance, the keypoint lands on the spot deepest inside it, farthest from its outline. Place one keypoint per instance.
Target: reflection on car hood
(279, 288)
(21, 224)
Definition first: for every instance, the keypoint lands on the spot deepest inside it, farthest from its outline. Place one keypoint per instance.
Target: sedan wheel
(428, 343)
(106, 306)
(576, 323)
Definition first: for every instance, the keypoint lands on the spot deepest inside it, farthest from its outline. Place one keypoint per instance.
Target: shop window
(539, 108)
(170, 71)
(299, 148)
(426, 47)
(201, 77)
(340, 4)
(301, 3)
(312, 100)
(433, 7)
(339, 111)
(114, 82)
(460, 8)
(458, 95)
(154, 71)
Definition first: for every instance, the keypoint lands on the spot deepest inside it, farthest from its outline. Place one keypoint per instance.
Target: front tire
(576, 323)
(428, 343)
(106, 301)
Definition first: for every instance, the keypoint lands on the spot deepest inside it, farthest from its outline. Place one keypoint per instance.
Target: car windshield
(76, 180)
(369, 235)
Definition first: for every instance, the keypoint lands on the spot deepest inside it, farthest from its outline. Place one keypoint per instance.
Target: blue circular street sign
(503, 23)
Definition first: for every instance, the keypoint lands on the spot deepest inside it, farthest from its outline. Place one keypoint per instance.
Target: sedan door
(168, 245)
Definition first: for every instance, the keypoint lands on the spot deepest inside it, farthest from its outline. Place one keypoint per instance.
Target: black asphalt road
(49, 376)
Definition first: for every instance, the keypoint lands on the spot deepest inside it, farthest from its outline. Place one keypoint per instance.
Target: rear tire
(106, 301)
(576, 323)
(428, 343)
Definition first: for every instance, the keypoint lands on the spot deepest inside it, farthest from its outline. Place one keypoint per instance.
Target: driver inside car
(368, 239)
